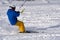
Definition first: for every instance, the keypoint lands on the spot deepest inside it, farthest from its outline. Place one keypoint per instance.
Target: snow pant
(20, 25)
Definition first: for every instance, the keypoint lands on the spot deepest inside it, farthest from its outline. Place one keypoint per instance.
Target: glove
(17, 11)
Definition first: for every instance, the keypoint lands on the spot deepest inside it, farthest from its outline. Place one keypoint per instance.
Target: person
(12, 16)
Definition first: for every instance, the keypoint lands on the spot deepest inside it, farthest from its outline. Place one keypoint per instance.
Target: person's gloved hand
(17, 11)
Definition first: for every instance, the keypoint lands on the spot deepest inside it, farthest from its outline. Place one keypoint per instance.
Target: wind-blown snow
(40, 16)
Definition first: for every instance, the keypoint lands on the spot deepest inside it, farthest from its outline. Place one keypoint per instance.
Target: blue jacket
(12, 16)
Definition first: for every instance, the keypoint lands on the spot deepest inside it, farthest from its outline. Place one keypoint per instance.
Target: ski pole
(22, 6)
(22, 10)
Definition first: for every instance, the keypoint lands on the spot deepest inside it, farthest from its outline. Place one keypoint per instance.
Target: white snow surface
(40, 16)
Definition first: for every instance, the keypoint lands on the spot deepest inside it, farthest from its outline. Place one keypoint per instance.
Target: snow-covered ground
(40, 16)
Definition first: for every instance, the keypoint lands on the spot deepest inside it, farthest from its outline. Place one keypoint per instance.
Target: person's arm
(17, 13)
